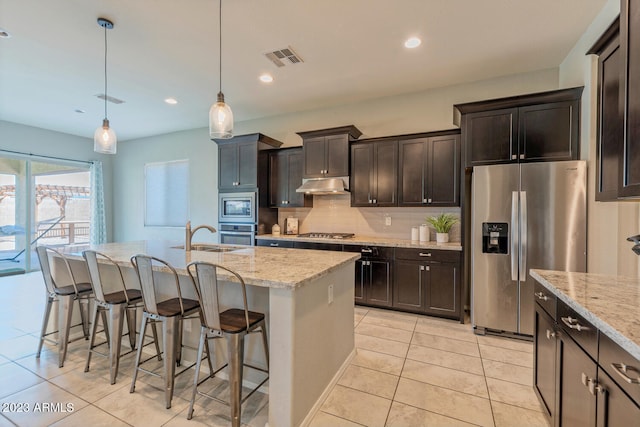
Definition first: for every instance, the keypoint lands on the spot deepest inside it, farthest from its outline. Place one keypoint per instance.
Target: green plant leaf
(443, 222)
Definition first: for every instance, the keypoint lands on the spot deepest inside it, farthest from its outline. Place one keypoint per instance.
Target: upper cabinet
(528, 128)
(630, 59)
(238, 161)
(326, 151)
(429, 171)
(285, 176)
(374, 173)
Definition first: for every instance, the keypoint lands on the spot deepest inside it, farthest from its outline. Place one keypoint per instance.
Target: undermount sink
(208, 248)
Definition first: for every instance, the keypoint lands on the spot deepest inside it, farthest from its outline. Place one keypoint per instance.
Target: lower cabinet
(373, 283)
(544, 373)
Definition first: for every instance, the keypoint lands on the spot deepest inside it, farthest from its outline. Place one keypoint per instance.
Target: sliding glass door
(47, 203)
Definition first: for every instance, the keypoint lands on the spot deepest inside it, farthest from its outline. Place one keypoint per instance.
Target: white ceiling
(53, 63)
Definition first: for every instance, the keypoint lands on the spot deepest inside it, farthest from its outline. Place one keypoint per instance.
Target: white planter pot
(442, 237)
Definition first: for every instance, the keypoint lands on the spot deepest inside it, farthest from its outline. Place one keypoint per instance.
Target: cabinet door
(442, 289)
(379, 290)
(443, 171)
(544, 370)
(412, 156)
(361, 174)
(294, 180)
(491, 137)
(337, 155)
(610, 120)
(629, 41)
(277, 179)
(577, 405)
(615, 408)
(227, 166)
(385, 178)
(361, 280)
(549, 131)
(408, 285)
(247, 166)
(314, 150)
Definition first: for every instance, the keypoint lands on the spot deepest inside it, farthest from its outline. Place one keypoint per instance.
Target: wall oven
(237, 234)
(237, 208)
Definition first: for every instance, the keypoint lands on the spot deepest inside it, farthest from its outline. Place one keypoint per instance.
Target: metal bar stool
(171, 312)
(233, 325)
(66, 295)
(117, 303)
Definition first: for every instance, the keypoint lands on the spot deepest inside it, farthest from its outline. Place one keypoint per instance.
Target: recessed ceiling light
(266, 78)
(4, 33)
(412, 42)
(171, 101)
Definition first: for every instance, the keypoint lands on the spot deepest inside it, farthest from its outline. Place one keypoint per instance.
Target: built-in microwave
(237, 207)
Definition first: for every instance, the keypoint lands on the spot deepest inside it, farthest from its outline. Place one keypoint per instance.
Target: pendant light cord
(105, 72)
(220, 47)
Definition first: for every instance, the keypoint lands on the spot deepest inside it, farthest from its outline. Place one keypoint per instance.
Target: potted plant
(442, 224)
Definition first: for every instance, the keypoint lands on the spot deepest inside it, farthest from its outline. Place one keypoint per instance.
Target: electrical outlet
(330, 294)
(387, 220)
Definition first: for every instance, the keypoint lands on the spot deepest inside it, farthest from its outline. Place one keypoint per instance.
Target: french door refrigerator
(524, 216)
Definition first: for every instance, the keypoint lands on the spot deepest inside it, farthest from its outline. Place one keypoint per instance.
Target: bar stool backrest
(205, 279)
(45, 267)
(91, 257)
(143, 265)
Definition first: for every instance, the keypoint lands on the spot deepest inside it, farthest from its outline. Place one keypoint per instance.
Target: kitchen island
(307, 297)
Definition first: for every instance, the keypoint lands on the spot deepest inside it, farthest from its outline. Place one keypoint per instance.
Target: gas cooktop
(318, 235)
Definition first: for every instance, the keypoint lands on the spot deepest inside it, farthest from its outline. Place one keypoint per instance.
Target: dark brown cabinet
(428, 281)
(285, 176)
(374, 173)
(429, 171)
(238, 161)
(544, 373)
(326, 151)
(274, 243)
(527, 128)
(630, 55)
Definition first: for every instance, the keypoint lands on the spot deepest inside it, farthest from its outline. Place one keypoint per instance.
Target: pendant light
(104, 139)
(220, 114)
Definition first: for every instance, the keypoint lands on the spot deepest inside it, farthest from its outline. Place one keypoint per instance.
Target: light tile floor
(408, 370)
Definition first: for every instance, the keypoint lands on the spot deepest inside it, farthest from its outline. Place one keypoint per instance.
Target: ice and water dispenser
(495, 238)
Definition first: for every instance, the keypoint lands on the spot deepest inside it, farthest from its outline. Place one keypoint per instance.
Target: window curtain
(98, 225)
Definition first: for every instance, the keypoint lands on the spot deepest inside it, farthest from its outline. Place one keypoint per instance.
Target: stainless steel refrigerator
(524, 216)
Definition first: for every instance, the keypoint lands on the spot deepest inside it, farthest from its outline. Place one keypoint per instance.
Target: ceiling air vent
(110, 99)
(283, 57)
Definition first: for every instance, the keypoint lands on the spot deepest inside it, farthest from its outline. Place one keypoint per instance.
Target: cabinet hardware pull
(573, 324)
(375, 200)
(423, 254)
(424, 200)
(590, 383)
(428, 200)
(550, 334)
(622, 370)
(541, 296)
(522, 156)
(426, 267)
(514, 157)
(422, 268)
(367, 251)
(275, 245)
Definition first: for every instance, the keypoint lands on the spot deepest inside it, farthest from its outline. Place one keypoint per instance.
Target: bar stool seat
(120, 297)
(233, 325)
(171, 307)
(65, 295)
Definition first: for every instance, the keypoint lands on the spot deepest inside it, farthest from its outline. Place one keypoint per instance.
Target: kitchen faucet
(189, 234)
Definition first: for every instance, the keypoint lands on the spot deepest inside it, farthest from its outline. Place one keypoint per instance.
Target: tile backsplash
(334, 214)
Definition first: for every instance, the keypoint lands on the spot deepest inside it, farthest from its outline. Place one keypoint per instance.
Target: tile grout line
(486, 384)
(393, 399)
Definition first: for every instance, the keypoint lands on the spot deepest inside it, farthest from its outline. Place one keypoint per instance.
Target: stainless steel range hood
(324, 186)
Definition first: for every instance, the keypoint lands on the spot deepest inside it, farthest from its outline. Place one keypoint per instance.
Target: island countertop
(610, 303)
(258, 266)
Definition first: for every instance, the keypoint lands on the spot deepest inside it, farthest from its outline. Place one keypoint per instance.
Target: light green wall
(32, 140)
(610, 223)
(416, 112)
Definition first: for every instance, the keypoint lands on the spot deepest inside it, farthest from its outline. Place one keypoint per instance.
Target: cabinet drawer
(545, 298)
(371, 252)
(427, 255)
(317, 246)
(583, 332)
(612, 359)
(275, 243)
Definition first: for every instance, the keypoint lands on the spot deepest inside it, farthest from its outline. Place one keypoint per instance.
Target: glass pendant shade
(220, 119)
(104, 139)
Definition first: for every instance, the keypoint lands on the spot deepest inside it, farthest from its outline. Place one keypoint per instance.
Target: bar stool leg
(45, 321)
(263, 330)
(83, 304)
(105, 324)
(203, 341)
(131, 313)
(92, 338)
(170, 328)
(179, 346)
(64, 323)
(116, 314)
(235, 348)
(143, 328)
(154, 330)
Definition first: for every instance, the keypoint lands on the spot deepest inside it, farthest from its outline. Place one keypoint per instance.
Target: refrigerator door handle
(515, 230)
(523, 236)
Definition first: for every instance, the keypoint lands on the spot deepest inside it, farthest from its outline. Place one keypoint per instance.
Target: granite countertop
(370, 240)
(258, 266)
(610, 303)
